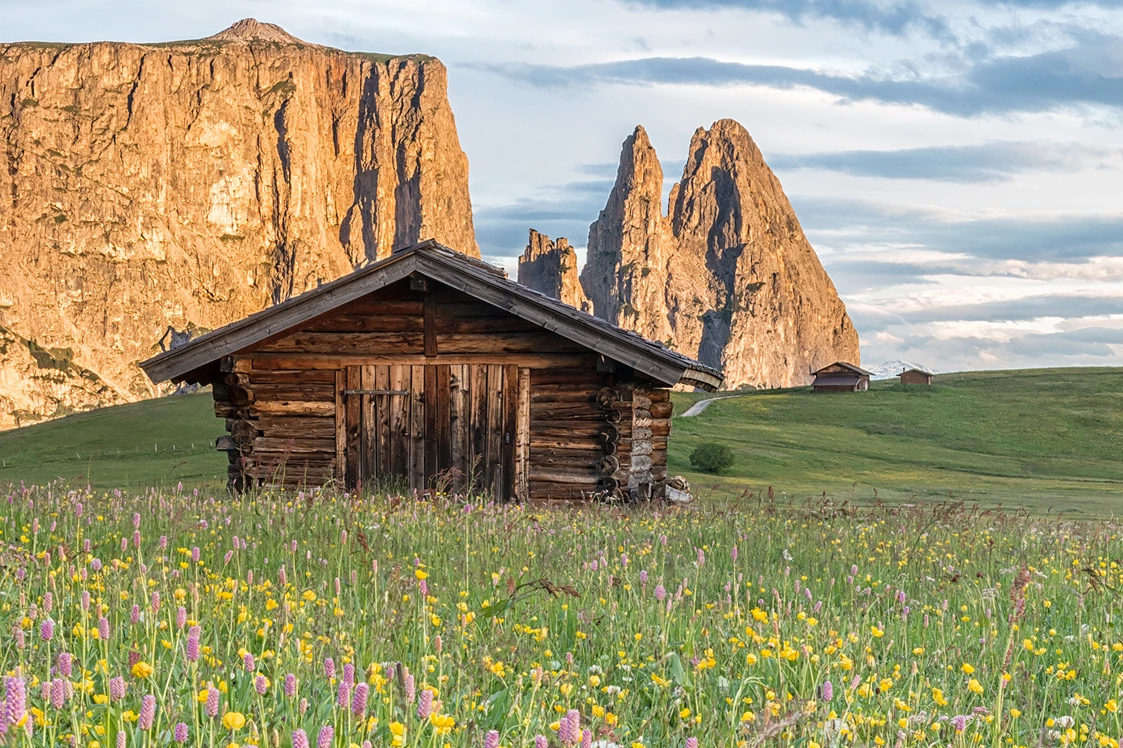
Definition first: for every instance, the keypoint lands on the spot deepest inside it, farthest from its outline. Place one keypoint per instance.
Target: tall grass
(274, 618)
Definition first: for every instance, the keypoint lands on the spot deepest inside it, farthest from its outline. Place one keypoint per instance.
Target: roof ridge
(467, 274)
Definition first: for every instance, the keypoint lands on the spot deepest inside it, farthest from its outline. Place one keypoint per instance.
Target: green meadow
(152, 443)
(1047, 440)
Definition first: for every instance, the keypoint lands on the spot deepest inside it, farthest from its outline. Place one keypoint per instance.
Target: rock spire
(727, 276)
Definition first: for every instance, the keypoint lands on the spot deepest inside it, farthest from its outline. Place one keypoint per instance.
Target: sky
(957, 165)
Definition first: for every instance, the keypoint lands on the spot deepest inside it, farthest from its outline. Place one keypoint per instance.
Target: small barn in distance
(429, 368)
(841, 377)
(916, 376)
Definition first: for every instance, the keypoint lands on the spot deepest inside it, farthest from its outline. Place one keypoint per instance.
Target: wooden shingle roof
(856, 369)
(475, 278)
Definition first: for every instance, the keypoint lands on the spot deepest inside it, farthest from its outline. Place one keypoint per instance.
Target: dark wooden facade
(841, 377)
(408, 381)
(916, 376)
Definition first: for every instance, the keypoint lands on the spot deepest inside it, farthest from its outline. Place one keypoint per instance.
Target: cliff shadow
(716, 325)
(364, 190)
(723, 252)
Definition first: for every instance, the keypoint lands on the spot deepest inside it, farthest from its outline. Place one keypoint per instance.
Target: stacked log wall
(568, 433)
(281, 425)
(661, 410)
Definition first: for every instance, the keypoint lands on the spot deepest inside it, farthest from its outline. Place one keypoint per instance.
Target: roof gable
(453, 269)
(850, 367)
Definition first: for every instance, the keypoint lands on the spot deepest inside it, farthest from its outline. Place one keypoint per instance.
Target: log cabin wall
(430, 386)
(571, 434)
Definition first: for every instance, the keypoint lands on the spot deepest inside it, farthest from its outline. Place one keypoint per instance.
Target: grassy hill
(1043, 439)
(157, 442)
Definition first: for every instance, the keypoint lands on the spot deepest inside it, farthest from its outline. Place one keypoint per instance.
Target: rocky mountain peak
(639, 171)
(629, 237)
(188, 185)
(551, 268)
(253, 30)
(727, 276)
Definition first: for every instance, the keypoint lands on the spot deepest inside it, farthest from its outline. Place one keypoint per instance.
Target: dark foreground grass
(1049, 439)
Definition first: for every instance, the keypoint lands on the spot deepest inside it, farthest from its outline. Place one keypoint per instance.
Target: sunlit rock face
(189, 184)
(550, 267)
(727, 275)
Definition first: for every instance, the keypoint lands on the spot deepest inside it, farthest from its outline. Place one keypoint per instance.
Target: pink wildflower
(147, 712)
(212, 701)
(359, 701)
(117, 688)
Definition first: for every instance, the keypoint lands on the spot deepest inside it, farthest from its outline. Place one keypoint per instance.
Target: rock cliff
(188, 184)
(728, 275)
(551, 268)
(625, 273)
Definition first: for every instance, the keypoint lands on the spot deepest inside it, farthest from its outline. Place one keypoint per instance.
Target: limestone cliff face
(728, 276)
(626, 266)
(551, 268)
(189, 184)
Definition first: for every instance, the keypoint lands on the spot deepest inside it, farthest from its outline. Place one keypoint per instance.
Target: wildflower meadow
(181, 619)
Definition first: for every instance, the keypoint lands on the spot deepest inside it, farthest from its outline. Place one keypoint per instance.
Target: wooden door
(459, 427)
(374, 407)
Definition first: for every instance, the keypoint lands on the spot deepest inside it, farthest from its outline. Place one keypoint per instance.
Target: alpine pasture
(170, 618)
(143, 606)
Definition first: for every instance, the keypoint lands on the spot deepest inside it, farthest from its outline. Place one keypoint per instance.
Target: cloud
(890, 18)
(860, 275)
(1087, 341)
(1034, 238)
(1068, 78)
(1050, 4)
(1066, 306)
(987, 162)
(566, 210)
(1095, 346)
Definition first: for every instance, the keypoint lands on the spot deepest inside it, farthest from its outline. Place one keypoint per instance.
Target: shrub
(711, 457)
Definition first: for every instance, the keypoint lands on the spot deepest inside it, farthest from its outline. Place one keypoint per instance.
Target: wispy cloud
(1001, 85)
(1087, 341)
(891, 18)
(986, 162)
(1058, 306)
(565, 210)
(1031, 238)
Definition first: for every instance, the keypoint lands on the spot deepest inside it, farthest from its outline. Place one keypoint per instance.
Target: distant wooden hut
(429, 368)
(841, 377)
(916, 376)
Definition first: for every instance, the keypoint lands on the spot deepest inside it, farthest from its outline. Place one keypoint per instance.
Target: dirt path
(701, 405)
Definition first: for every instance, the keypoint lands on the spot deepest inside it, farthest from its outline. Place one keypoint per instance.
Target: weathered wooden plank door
(375, 404)
(463, 427)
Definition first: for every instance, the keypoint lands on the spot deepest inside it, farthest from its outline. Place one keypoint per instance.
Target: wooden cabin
(916, 376)
(432, 370)
(841, 377)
